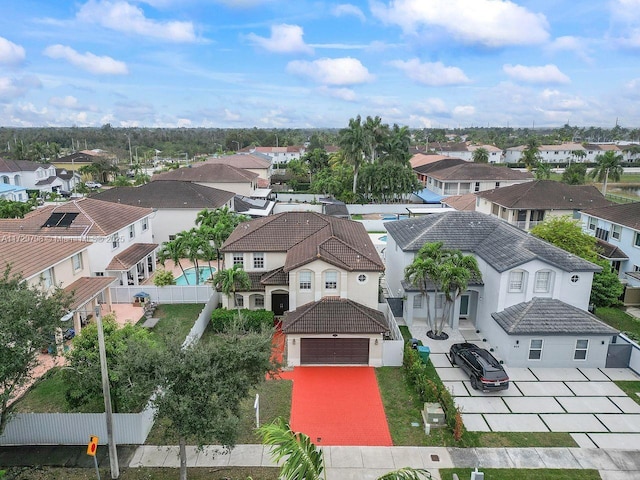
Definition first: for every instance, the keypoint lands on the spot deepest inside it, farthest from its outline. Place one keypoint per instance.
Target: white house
(522, 276)
(36, 176)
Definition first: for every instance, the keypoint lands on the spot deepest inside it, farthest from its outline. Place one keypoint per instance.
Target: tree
(575, 174)
(121, 181)
(202, 385)
(231, 280)
(531, 153)
(542, 171)
(173, 250)
(607, 166)
(566, 233)
(218, 224)
(354, 143)
(480, 155)
(13, 209)
(302, 460)
(29, 317)
(442, 271)
(316, 159)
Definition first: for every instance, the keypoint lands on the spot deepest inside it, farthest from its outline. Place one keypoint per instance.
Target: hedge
(254, 320)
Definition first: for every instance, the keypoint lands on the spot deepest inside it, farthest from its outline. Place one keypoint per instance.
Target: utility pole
(130, 153)
(113, 454)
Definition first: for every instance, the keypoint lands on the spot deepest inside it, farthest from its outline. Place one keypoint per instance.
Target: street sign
(93, 445)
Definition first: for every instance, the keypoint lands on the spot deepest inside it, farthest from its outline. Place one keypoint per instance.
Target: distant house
(30, 175)
(464, 150)
(321, 273)
(13, 193)
(527, 204)
(220, 176)
(256, 163)
(280, 155)
(618, 225)
(46, 263)
(531, 303)
(120, 236)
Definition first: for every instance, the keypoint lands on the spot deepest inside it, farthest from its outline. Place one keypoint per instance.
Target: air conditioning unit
(434, 414)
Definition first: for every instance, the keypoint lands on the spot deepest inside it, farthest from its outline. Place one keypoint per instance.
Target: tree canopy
(607, 167)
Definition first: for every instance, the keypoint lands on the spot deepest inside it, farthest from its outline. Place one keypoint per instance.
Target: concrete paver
(407, 457)
(512, 391)
(583, 440)
(623, 460)
(629, 422)
(514, 422)
(150, 456)
(557, 458)
(573, 422)
(452, 374)
(376, 457)
(474, 422)
(494, 458)
(481, 405)
(626, 404)
(525, 458)
(594, 374)
(609, 475)
(620, 374)
(595, 389)
(593, 458)
(559, 374)
(345, 457)
(588, 405)
(618, 441)
(457, 389)
(533, 405)
(440, 360)
(213, 456)
(544, 389)
(520, 374)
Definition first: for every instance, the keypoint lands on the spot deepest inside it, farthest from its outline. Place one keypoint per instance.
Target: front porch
(135, 265)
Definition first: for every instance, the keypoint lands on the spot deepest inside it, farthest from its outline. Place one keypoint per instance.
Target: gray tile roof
(546, 195)
(501, 245)
(334, 315)
(167, 194)
(546, 316)
(8, 165)
(610, 251)
(627, 214)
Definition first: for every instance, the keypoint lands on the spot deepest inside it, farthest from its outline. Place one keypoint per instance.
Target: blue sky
(302, 63)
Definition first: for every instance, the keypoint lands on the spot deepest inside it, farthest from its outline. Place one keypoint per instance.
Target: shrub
(163, 278)
(253, 320)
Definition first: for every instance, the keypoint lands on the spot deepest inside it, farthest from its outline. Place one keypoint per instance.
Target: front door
(279, 303)
(464, 306)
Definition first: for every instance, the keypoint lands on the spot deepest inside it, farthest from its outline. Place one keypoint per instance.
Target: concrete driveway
(581, 401)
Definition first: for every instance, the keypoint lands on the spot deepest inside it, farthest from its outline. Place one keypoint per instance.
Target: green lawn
(631, 388)
(510, 474)
(176, 320)
(621, 320)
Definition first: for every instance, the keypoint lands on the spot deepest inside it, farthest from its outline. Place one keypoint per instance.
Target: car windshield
(491, 374)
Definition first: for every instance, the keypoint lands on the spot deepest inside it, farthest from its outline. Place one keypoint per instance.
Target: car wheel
(474, 383)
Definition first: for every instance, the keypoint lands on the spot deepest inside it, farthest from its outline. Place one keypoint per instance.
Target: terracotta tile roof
(29, 255)
(8, 165)
(334, 315)
(466, 202)
(308, 236)
(208, 173)
(94, 218)
(241, 161)
(167, 194)
(478, 172)
(627, 214)
(132, 255)
(273, 277)
(546, 195)
(86, 288)
(488, 148)
(420, 159)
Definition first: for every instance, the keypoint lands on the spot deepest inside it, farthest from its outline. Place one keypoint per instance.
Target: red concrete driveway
(338, 406)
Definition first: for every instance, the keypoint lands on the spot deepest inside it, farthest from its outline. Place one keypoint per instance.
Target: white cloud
(11, 88)
(493, 23)
(332, 71)
(577, 45)
(434, 74)
(64, 102)
(561, 101)
(345, 94)
(464, 111)
(87, 61)
(347, 9)
(547, 74)
(124, 17)
(284, 39)
(11, 53)
(625, 23)
(432, 106)
(229, 115)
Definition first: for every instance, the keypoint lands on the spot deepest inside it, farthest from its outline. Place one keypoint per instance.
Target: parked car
(64, 193)
(91, 184)
(485, 372)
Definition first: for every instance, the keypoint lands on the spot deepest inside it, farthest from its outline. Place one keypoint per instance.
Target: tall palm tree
(531, 153)
(354, 144)
(542, 171)
(230, 281)
(454, 276)
(302, 460)
(173, 250)
(480, 155)
(607, 166)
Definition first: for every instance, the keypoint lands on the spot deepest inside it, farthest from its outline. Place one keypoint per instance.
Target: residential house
(120, 236)
(220, 176)
(76, 160)
(527, 204)
(47, 262)
(36, 176)
(256, 163)
(464, 150)
(531, 302)
(13, 193)
(617, 227)
(572, 152)
(322, 274)
(280, 155)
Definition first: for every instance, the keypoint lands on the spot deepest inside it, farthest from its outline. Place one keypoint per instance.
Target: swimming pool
(190, 274)
(383, 238)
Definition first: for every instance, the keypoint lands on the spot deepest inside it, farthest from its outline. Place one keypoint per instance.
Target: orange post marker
(93, 445)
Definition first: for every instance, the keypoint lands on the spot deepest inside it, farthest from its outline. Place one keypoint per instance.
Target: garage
(334, 351)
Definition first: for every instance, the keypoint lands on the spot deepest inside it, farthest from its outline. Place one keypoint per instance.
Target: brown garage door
(334, 351)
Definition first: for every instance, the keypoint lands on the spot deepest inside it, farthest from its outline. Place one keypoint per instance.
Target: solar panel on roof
(53, 220)
(60, 219)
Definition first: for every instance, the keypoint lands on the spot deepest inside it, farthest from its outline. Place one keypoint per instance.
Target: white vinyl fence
(392, 350)
(75, 428)
(169, 294)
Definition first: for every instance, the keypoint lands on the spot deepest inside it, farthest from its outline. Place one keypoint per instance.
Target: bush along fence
(425, 381)
(253, 320)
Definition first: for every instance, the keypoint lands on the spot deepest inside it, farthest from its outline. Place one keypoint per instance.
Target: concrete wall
(634, 361)
(169, 294)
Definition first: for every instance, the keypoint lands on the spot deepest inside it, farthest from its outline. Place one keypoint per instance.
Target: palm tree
(542, 171)
(302, 460)
(354, 143)
(531, 153)
(455, 272)
(607, 166)
(221, 223)
(173, 250)
(421, 270)
(480, 155)
(231, 280)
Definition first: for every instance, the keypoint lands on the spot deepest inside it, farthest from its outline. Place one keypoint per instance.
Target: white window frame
(238, 259)
(145, 224)
(258, 301)
(616, 231)
(239, 300)
(115, 241)
(440, 301)
(304, 280)
(513, 282)
(132, 231)
(540, 285)
(331, 280)
(258, 261)
(76, 261)
(48, 278)
(536, 348)
(636, 240)
(592, 223)
(417, 301)
(581, 350)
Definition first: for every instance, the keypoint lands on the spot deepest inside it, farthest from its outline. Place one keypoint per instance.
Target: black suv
(484, 370)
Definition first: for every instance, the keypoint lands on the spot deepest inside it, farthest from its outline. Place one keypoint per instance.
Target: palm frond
(407, 474)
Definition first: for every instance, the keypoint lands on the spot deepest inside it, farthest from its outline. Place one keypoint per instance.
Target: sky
(316, 64)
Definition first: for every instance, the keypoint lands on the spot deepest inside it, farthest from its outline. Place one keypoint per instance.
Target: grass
(176, 320)
(208, 473)
(620, 320)
(510, 474)
(631, 388)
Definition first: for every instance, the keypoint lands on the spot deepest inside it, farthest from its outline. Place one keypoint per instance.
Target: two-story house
(47, 263)
(256, 163)
(322, 274)
(120, 236)
(531, 303)
(36, 176)
(527, 204)
(617, 228)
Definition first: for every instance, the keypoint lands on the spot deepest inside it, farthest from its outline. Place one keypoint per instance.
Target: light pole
(113, 454)
(237, 143)
(130, 153)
